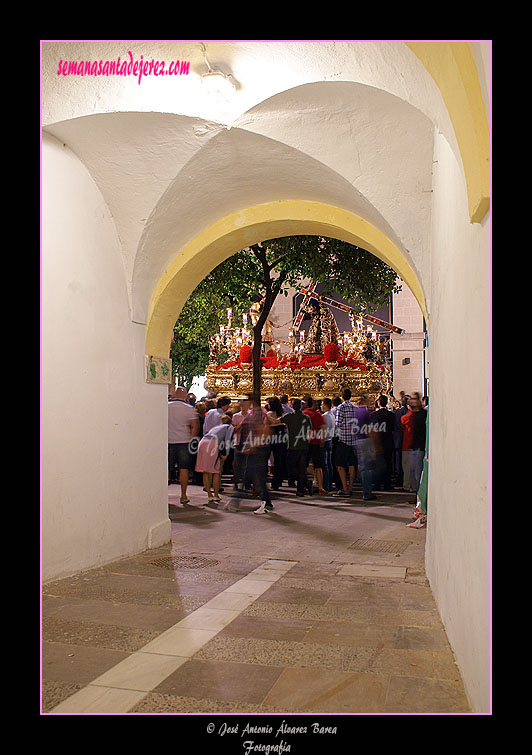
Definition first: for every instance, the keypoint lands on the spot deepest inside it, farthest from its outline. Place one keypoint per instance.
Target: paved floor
(320, 607)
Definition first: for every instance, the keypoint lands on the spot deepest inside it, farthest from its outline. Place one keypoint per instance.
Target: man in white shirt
(328, 416)
(183, 425)
(214, 416)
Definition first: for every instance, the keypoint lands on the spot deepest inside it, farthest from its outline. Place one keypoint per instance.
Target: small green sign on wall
(158, 370)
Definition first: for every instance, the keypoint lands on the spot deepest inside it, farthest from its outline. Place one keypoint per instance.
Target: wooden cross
(310, 293)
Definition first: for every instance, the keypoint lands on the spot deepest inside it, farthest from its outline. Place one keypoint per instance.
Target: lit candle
(229, 313)
(245, 318)
(221, 330)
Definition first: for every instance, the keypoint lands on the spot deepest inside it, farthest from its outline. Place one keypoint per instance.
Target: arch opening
(246, 227)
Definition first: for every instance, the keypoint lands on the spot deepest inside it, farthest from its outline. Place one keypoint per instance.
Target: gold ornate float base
(319, 382)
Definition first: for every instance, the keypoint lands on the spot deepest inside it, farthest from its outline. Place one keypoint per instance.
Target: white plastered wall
(458, 536)
(104, 481)
(104, 429)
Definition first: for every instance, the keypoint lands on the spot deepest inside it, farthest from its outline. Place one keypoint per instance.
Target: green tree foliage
(268, 269)
(200, 318)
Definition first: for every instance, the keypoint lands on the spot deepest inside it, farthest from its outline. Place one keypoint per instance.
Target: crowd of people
(326, 444)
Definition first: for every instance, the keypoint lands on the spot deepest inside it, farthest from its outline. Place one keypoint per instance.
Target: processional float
(321, 362)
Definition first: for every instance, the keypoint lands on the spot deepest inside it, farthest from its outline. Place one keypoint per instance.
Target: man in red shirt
(316, 441)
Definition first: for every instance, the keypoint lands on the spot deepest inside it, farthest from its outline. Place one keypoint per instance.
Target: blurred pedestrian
(364, 450)
(345, 456)
(239, 462)
(256, 446)
(212, 451)
(200, 407)
(278, 440)
(287, 409)
(213, 416)
(383, 422)
(183, 426)
(316, 441)
(415, 435)
(398, 441)
(299, 427)
(336, 401)
(328, 471)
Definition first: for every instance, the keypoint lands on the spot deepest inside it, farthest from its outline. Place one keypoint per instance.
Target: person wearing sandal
(183, 426)
(212, 451)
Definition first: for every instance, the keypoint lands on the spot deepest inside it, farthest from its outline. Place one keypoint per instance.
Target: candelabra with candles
(363, 344)
(230, 339)
(296, 342)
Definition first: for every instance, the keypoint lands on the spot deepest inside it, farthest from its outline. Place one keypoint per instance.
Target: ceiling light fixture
(216, 81)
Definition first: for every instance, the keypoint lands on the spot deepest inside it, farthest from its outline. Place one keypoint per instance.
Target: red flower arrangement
(331, 352)
(246, 354)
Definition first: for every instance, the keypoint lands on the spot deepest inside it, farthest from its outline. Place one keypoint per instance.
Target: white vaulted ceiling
(165, 175)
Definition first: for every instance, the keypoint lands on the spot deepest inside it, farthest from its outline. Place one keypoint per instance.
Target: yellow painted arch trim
(453, 68)
(239, 230)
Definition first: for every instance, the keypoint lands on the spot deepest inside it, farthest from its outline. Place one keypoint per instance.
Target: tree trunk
(272, 289)
(257, 343)
(257, 364)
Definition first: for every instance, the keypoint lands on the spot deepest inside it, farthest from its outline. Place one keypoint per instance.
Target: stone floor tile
(273, 629)
(54, 692)
(357, 612)
(76, 664)
(396, 662)
(373, 570)
(408, 694)
(178, 640)
(217, 680)
(209, 618)
(155, 702)
(321, 691)
(410, 618)
(295, 595)
(92, 699)
(444, 666)
(268, 610)
(287, 653)
(140, 671)
(353, 633)
(109, 636)
(422, 638)
(106, 612)
(231, 601)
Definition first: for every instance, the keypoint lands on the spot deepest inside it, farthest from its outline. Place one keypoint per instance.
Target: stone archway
(240, 229)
